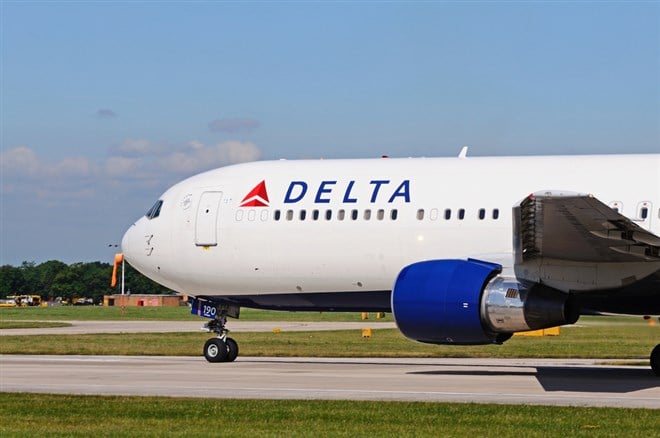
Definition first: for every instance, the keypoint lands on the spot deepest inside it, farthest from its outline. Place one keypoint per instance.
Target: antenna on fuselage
(463, 152)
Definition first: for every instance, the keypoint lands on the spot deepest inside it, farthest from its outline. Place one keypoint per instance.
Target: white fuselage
(352, 225)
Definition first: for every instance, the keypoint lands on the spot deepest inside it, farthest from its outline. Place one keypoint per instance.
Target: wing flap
(579, 227)
(575, 242)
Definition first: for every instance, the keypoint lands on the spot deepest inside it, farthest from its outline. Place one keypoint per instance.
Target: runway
(518, 381)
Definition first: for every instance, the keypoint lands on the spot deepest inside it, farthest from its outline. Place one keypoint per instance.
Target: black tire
(655, 360)
(232, 350)
(215, 350)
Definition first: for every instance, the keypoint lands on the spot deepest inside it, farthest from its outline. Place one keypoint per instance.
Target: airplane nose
(127, 244)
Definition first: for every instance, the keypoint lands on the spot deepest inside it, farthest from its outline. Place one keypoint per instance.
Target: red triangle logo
(258, 196)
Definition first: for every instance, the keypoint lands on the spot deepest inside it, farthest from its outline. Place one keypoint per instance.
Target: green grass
(30, 324)
(619, 341)
(181, 313)
(69, 415)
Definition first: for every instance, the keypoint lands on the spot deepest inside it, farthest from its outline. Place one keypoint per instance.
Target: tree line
(54, 279)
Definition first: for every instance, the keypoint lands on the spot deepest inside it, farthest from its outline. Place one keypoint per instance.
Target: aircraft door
(206, 225)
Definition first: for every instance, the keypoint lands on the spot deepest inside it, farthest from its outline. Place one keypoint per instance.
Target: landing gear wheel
(655, 360)
(221, 348)
(215, 350)
(232, 350)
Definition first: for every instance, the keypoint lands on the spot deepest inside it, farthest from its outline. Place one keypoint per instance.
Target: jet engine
(469, 302)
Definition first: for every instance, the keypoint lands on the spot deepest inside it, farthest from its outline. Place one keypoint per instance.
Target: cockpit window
(154, 211)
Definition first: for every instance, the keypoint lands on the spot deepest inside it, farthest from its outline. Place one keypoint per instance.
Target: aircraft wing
(575, 242)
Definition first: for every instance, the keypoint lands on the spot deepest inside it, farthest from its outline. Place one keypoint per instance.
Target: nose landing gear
(221, 348)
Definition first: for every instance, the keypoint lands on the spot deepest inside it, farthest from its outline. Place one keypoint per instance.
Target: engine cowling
(468, 302)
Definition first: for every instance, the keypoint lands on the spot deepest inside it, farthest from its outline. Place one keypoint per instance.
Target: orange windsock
(118, 259)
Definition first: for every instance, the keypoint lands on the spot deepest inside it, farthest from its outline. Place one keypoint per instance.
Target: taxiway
(528, 381)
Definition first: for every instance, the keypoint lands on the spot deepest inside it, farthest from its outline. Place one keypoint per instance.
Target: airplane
(462, 250)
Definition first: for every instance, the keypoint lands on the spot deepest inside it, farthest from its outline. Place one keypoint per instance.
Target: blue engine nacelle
(468, 302)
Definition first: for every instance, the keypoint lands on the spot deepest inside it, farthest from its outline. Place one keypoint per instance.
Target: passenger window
(434, 214)
(340, 215)
(482, 213)
(354, 214)
(394, 214)
(328, 215)
(239, 215)
(252, 214)
(289, 215)
(276, 215)
(367, 215)
(461, 213)
(303, 214)
(315, 215)
(643, 210)
(380, 215)
(420, 214)
(447, 214)
(496, 213)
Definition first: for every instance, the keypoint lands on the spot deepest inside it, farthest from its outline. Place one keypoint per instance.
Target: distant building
(144, 300)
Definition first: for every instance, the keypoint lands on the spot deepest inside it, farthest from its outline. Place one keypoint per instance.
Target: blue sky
(106, 104)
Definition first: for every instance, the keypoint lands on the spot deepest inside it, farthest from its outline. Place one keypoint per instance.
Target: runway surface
(86, 327)
(528, 381)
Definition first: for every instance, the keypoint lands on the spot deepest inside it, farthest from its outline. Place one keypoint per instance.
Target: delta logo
(258, 196)
(378, 190)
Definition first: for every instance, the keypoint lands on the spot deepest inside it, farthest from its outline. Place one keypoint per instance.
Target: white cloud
(133, 167)
(198, 157)
(122, 166)
(138, 147)
(195, 144)
(24, 162)
(19, 161)
(24, 173)
(72, 167)
(77, 203)
(237, 152)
